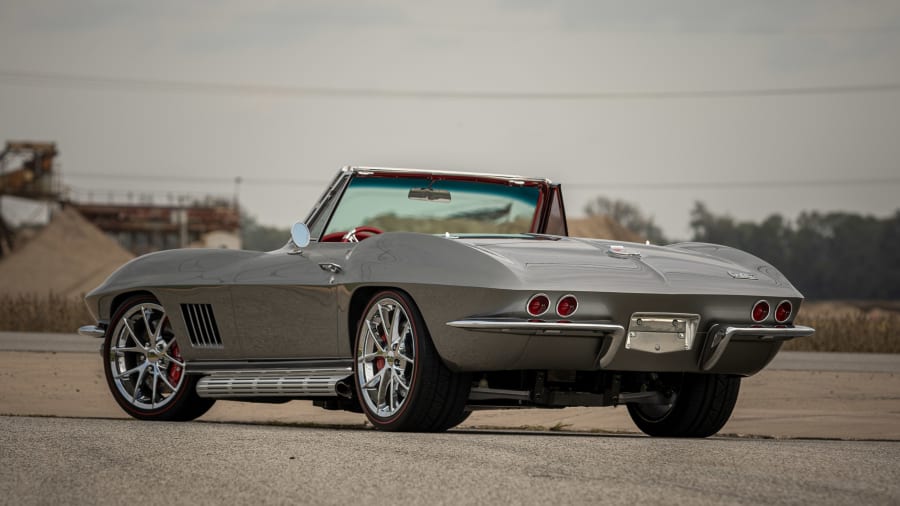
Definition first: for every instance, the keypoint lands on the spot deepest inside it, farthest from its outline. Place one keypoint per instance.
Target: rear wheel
(401, 382)
(701, 405)
(144, 368)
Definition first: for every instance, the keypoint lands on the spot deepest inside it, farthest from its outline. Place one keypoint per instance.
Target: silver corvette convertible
(417, 297)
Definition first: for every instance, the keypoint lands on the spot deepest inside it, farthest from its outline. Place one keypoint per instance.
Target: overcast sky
(752, 107)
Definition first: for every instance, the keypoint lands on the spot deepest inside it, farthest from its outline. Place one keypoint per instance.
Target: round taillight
(566, 306)
(783, 311)
(538, 304)
(760, 311)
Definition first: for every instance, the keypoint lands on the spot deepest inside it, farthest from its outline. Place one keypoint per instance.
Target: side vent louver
(201, 325)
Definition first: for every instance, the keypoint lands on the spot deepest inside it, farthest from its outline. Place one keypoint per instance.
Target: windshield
(470, 207)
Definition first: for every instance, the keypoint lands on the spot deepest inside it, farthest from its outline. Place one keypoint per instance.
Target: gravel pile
(69, 257)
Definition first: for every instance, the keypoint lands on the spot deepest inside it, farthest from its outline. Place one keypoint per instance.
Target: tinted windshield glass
(473, 207)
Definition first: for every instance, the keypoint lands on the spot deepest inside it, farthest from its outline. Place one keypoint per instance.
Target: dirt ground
(780, 404)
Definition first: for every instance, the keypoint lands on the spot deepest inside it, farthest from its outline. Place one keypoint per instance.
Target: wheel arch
(358, 302)
(120, 299)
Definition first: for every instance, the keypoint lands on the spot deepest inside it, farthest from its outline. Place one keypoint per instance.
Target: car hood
(567, 263)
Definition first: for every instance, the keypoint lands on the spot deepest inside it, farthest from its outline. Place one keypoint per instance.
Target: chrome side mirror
(300, 234)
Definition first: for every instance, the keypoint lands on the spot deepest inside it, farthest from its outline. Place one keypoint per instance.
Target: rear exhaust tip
(344, 389)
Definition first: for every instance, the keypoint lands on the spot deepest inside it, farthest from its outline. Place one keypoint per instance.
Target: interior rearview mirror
(429, 194)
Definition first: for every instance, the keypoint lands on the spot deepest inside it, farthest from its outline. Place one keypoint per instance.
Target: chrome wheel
(385, 358)
(145, 362)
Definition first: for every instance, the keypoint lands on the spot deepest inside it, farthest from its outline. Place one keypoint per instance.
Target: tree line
(825, 255)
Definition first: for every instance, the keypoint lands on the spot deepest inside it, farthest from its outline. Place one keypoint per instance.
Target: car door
(285, 304)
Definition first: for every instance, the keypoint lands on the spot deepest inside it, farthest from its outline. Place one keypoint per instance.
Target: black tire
(703, 403)
(131, 391)
(460, 419)
(436, 396)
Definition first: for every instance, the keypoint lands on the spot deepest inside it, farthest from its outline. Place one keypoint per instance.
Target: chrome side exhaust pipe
(276, 383)
(344, 389)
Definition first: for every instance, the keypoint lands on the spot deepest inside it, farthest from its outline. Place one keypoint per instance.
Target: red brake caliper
(175, 370)
(379, 362)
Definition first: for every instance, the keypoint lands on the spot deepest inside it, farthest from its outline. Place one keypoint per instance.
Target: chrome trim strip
(91, 331)
(227, 366)
(526, 327)
(720, 336)
(341, 177)
(273, 383)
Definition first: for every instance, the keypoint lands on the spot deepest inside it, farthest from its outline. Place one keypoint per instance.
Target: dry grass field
(42, 313)
(851, 326)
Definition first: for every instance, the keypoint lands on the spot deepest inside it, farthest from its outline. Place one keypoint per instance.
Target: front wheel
(144, 367)
(701, 405)
(401, 382)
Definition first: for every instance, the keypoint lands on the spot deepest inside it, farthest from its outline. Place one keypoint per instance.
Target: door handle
(332, 268)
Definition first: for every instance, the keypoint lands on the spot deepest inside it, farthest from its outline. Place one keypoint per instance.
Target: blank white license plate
(662, 332)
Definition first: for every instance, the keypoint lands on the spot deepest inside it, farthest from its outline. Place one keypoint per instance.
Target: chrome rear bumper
(721, 335)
